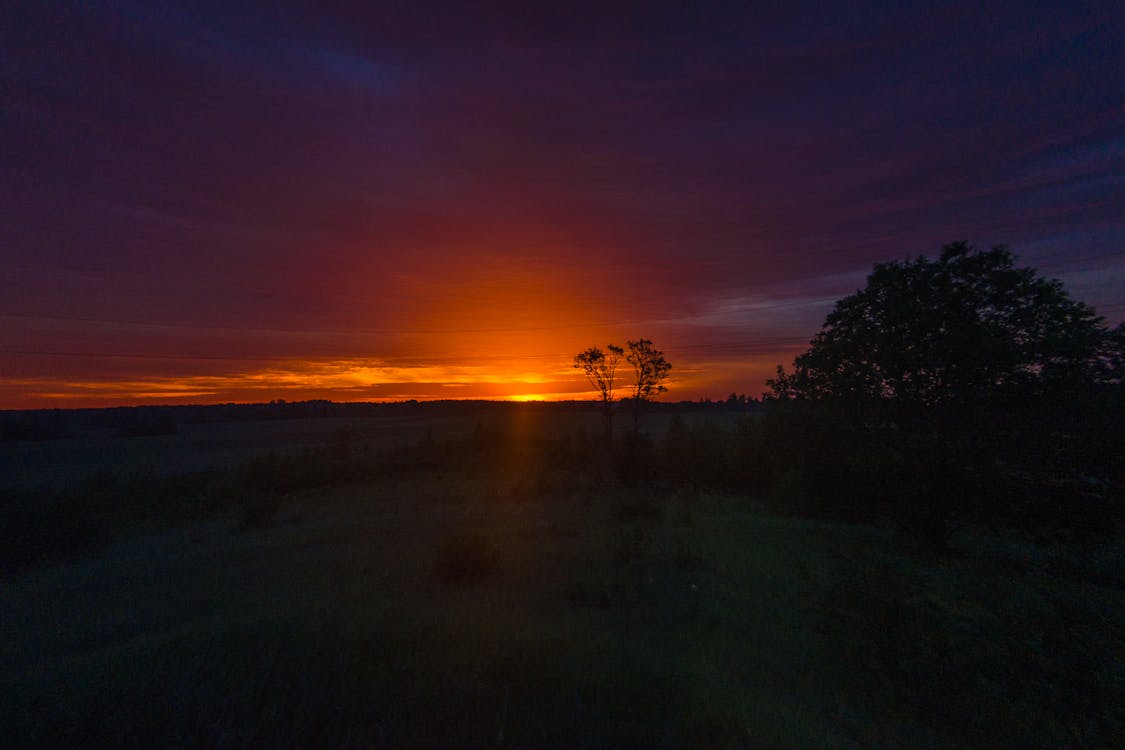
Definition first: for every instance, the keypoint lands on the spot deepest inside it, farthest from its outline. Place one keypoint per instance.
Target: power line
(743, 343)
(398, 331)
(116, 355)
(307, 331)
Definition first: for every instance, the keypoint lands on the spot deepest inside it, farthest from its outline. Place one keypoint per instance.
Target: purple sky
(245, 201)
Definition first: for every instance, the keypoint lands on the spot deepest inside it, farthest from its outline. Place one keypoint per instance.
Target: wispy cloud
(342, 380)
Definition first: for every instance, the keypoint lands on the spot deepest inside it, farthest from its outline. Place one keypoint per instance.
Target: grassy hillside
(502, 591)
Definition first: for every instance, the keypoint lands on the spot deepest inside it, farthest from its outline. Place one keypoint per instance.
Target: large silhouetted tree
(600, 369)
(650, 370)
(963, 329)
(965, 379)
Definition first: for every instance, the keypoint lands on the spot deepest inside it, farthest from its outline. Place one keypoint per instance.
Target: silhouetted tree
(946, 367)
(600, 369)
(966, 328)
(650, 370)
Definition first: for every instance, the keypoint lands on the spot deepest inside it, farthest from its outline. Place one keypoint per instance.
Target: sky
(243, 201)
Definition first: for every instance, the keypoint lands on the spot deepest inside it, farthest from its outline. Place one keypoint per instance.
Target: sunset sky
(233, 201)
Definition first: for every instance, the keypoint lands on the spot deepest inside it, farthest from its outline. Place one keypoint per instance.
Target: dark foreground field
(496, 582)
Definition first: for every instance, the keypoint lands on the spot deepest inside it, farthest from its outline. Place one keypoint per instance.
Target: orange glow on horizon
(502, 328)
(545, 379)
(335, 380)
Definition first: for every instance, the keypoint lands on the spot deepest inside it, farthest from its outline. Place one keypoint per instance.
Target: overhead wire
(396, 331)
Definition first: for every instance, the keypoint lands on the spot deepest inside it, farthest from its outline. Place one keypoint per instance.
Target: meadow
(494, 576)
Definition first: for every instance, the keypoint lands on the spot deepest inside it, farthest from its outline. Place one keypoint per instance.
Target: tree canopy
(650, 369)
(600, 368)
(964, 328)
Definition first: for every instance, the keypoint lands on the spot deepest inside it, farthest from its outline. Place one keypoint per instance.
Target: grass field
(497, 596)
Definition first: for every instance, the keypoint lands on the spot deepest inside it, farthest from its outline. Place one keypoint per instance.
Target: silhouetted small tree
(600, 369)
(650, 370)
